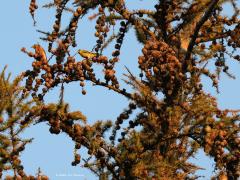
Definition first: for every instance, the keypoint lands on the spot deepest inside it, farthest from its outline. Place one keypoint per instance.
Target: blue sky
(52, 153)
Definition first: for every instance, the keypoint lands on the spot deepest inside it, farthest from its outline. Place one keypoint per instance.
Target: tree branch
(161, 18)
(197, 28)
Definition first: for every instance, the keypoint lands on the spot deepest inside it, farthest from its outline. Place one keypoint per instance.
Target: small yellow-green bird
(86, 54)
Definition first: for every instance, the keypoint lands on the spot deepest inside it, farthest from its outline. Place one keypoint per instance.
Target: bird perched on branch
(86, 54)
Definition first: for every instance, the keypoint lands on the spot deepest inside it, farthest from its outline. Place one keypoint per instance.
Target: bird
(87, 54)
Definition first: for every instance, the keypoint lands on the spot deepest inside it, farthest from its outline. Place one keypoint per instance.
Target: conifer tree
(14, 110)
(180, 40)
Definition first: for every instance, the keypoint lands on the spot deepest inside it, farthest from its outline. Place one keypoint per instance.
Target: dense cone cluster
(161, 66)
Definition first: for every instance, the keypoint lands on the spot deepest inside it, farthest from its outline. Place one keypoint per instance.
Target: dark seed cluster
(161, 66)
